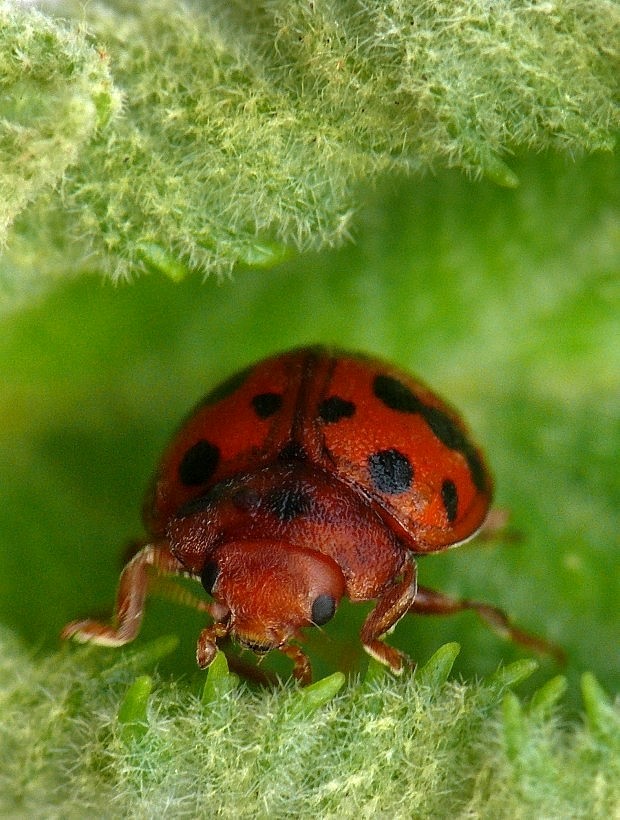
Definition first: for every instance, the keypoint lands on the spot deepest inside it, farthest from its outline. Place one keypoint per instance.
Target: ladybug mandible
(312, 475)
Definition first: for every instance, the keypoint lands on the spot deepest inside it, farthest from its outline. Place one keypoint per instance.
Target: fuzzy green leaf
(256, 753)
(514, 731)
(132, 713)
(219, 680)
(250, 128)
(56, 94)
(546, 698)
(603, 718)
(319, 693)
(436, 670)
(511, 675)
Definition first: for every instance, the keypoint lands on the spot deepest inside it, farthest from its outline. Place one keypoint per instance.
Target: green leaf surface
(219, 680)
(132, 713)
(248, 129)
(391, 747)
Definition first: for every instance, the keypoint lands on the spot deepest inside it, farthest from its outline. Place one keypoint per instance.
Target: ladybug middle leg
(390, 608)
(137, 579)
(431, 602)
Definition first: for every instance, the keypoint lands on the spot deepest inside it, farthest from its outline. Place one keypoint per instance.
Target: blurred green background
(506, 302)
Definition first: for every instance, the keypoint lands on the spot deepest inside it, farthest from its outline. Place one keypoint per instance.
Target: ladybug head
(267, 591)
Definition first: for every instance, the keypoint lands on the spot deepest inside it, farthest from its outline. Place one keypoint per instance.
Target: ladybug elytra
(313, 475)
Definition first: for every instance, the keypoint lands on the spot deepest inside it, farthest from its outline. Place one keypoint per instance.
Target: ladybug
(313, 475)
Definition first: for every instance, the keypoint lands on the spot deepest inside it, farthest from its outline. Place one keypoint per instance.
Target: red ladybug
(313, 475)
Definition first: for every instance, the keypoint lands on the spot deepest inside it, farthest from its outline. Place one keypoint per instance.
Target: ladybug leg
(168, 587)
(133, 588)
(494, 527)
(206, 648)
(431, 602)
(390, 608)
(301, 665)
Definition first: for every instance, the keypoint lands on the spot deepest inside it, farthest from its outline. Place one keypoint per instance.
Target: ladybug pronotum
(313, 475)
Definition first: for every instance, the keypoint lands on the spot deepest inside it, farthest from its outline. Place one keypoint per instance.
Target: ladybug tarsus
(206, 648)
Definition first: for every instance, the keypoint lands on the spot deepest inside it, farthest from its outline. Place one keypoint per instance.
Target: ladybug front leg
(302, 670)
(431, 602)
(135, 581)
(206, 648)
(390, 608)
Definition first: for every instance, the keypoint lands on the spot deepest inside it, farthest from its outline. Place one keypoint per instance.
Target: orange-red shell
(376, 432)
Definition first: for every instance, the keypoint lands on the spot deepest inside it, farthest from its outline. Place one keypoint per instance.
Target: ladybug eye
(323, 609)
(209, 575)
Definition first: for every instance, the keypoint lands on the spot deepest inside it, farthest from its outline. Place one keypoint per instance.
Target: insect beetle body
(311, 476)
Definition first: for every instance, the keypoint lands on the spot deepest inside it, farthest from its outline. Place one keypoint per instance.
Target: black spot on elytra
(199, 463)
(227, 387)
(209, 575)
(335, 408)
(450, 498)
(453, 437)
(397, 396)
(445, 429)
(390, 471)
(287, 503)
(266, 404)
(293, 451)
(323, 609)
